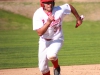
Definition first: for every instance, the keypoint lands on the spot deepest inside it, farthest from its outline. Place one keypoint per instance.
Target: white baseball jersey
(55, 29)
(48, 49)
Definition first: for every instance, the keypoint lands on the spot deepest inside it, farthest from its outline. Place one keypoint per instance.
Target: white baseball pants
(47, 49)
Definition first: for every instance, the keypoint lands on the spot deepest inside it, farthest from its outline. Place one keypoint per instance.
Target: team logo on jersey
(56, 22)
(56, 25)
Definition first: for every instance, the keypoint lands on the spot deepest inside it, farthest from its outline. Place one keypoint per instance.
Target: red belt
(48, 39)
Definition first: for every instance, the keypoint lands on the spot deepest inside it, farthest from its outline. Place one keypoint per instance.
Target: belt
(48, 39)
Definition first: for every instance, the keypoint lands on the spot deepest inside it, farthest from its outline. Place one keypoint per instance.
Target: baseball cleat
(57, 71)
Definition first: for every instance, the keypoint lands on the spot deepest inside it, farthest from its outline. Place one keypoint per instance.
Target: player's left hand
(79, 21)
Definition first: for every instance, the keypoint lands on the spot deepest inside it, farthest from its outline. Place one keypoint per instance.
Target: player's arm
(44, 28)
(75, 13)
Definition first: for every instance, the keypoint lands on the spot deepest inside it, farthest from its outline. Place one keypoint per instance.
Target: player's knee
(52, 58)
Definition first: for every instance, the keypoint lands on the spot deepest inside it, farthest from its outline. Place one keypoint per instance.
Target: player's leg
(53, 49)
(43, 61)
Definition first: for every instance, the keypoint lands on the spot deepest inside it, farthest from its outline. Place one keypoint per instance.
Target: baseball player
(47, 22)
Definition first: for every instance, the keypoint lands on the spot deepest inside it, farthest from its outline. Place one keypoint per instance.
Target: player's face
(48, 6)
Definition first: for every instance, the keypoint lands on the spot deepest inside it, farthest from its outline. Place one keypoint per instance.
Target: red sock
(55, 63)
(48, 73)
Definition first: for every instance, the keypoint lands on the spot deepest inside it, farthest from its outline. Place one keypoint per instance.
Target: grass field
(19, 43)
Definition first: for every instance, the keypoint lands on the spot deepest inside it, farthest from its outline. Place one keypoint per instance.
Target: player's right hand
(50, 17)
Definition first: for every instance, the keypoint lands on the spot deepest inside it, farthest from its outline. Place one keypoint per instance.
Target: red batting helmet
(41, 2)
(47, 0)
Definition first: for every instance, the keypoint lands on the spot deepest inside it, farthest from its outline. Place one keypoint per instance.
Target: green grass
(81, 44)
(18, 49)
(19, 43)
(11, 21)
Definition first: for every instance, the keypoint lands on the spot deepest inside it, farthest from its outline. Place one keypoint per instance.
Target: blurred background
(19, 43)
(89, 8)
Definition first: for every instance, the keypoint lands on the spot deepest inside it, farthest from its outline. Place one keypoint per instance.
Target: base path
(65, 70)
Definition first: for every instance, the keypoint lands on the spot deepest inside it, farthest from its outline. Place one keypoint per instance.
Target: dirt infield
(65, 70)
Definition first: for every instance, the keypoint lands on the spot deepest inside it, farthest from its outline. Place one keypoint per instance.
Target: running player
(47, 22)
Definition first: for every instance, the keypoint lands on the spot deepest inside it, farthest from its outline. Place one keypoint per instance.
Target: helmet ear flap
(53, 3)
(42, 5)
